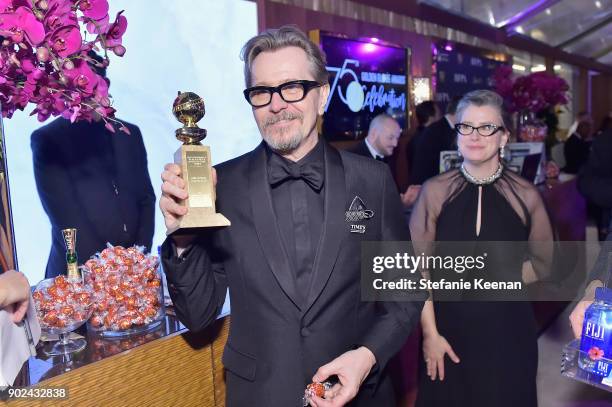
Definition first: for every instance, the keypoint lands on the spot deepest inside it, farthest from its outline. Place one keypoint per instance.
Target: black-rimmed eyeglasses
(290, 92)
(485, 130)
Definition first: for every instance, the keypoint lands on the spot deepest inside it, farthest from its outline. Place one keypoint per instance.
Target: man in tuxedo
(577, 147)
(437, 137)
(595, 183)
(95, 181)
(383, 135)
(289, 258)
(427, 113)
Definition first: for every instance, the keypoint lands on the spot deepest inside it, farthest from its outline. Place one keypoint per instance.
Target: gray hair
(277, 38)
(481, 97)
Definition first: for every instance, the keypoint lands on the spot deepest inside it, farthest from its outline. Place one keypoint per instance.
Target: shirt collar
(372, 150)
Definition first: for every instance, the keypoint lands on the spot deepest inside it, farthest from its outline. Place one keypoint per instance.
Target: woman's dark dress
(495, 341)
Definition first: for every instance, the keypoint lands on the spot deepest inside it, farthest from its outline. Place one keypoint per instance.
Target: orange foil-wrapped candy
(125, 323)
(315, 389)
(318, 389)
(62, 304)
(127, 292)
(97, 321)
(61, 282)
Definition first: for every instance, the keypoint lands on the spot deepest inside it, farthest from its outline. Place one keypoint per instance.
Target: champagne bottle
(72, 267)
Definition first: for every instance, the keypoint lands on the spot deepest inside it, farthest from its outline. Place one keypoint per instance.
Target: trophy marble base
(199, 218)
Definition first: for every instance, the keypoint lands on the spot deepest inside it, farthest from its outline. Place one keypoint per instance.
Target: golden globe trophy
(194, 160)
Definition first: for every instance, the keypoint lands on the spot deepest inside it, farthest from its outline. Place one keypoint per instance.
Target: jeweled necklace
(482, 181)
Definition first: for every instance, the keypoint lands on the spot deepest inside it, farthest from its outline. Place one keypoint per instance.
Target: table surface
(43, 367)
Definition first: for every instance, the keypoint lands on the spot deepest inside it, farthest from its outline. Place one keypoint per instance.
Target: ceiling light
(519, 29)
(538, 68)
(548, 12)
(557, 67)
(518, 67)
(598, 4)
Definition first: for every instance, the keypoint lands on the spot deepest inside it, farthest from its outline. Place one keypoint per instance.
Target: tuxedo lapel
(333, 224)
(266, 226)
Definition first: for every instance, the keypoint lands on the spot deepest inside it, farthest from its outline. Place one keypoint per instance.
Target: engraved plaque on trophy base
(197, 173)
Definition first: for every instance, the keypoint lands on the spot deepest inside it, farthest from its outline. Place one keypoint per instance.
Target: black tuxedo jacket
(96, 182)
(595, 178)
(576, 151)
(274, 346)
(437, 137)
(595, 183)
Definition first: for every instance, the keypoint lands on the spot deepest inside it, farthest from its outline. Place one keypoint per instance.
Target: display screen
(459, 72)
(366, 77)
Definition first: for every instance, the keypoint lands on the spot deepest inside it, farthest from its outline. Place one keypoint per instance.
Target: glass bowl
(62, 305)
(127, 299)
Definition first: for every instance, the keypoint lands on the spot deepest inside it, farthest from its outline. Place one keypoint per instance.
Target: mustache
(282, 116)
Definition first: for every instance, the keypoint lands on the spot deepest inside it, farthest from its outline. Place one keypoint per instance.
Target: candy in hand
(315, 389)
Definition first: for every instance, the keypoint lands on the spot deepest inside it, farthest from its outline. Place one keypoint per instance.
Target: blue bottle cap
(603, 294)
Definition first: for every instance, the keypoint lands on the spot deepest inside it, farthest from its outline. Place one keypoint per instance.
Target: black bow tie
(280, 171)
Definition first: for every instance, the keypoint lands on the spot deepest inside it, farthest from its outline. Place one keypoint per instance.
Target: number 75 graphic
(354, 96)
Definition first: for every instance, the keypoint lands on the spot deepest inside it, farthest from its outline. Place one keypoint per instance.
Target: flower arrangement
(46, 58)
(535, 96)
(535, 92)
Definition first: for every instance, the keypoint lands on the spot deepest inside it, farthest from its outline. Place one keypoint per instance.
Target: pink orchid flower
(98, 26)
(59, 14)
(94, 9)
(22, 25)
(6, 5)
(82, 77)
(116, 31)
(44, 60)
(66, 40)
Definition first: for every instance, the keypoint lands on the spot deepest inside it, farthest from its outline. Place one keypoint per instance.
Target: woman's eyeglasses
(486, 130)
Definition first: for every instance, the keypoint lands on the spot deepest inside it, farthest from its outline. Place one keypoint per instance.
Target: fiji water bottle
(596, 343)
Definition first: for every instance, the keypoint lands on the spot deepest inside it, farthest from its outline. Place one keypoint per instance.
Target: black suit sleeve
(595, 178)
(397, 319)
(146, 221)
(196, 282)
(600, 269)
(55, 187)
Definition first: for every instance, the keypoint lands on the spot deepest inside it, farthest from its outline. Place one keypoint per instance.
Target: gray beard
(282, 144)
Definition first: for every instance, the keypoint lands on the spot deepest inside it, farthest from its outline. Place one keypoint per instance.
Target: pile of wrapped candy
(62, 303)
(127, 288)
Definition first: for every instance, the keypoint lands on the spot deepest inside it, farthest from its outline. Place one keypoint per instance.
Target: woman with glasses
(478, 350)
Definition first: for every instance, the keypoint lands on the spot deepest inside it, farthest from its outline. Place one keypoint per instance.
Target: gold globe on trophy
(195, 162)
